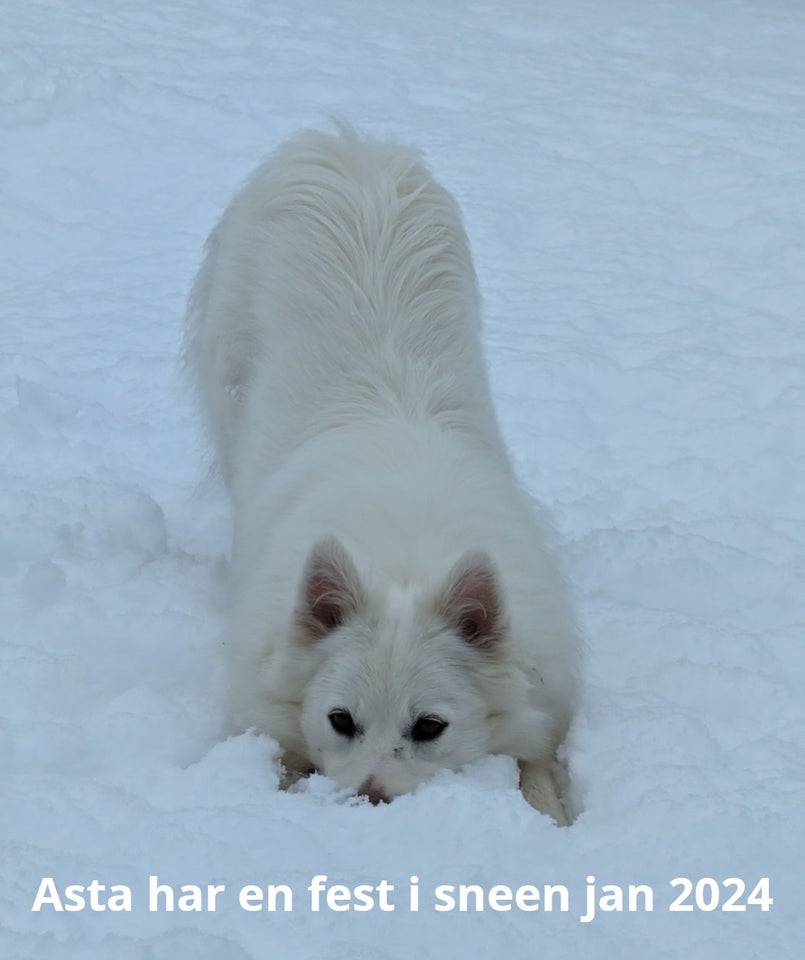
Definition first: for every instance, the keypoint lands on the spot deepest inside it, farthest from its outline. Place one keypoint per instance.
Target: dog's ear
(470, 601)
(330, 591)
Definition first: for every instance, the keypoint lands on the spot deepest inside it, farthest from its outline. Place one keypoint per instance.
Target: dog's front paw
(293, 768)
(539, 786)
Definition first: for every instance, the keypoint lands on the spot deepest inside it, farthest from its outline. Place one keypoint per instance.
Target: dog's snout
(373, 790)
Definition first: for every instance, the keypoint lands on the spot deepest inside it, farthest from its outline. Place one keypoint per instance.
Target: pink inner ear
(472, 603)
(326, 599)
(331, 588)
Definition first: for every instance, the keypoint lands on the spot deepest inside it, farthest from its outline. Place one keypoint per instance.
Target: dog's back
(338, 286)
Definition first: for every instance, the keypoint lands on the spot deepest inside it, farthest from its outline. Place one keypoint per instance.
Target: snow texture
(633, 180)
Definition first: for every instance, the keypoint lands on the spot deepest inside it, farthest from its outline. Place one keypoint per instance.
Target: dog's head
(398, 688)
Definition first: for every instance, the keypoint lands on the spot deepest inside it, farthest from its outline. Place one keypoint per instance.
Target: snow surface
(633, 179)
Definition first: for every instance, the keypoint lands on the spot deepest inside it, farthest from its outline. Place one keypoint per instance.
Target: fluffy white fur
(386, 563)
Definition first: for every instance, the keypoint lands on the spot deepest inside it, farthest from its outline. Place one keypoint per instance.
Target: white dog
(395, 605)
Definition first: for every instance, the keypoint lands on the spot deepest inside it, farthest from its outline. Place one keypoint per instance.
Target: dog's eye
(341, 721)
(428, 728)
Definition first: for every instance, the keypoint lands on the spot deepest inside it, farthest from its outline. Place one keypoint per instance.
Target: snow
(633, 182)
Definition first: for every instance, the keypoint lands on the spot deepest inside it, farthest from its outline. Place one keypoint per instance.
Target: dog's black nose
(373, 790)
